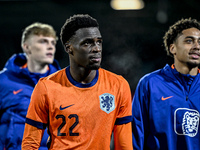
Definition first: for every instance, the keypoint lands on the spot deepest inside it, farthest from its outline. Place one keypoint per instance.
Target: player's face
(186, 48)
(41, 49)
(86, 48)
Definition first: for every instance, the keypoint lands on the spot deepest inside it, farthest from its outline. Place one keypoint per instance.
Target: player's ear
(172, 49)
(26, 48)
(68, 48)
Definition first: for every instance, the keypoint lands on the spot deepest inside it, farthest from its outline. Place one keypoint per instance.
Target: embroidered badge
(107, 102)
(186, 122)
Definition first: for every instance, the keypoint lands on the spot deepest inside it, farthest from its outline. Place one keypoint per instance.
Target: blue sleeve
(140, 115)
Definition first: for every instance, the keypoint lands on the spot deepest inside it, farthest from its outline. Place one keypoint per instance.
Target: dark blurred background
(132, 39)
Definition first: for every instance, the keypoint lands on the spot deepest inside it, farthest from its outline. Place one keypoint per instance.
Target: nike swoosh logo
(16, 92)
(62, 108)
(165, 98)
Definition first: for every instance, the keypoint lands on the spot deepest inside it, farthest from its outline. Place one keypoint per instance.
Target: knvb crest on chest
(107, 102)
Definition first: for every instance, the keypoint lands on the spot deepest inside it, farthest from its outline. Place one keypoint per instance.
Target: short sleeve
(125, 113)
(37, 114)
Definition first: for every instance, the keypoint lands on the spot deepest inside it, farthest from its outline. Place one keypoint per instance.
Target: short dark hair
(74, 23)
(176, 29)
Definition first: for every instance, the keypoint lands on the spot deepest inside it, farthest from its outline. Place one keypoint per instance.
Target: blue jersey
(166, 108)
(16, 86)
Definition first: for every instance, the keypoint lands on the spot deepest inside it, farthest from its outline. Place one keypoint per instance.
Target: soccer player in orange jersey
(82, 104)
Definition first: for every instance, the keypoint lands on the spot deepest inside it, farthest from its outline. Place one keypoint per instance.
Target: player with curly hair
(82, 104)
(166, 103)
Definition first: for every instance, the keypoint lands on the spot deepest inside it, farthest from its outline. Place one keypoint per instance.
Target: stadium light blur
(127, 4)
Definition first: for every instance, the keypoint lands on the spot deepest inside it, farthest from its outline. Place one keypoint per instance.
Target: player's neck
(37, 68)
(186, 70)
(82, 75)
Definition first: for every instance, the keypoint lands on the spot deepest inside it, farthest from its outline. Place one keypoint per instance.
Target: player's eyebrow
(91, 39)
(192, 37)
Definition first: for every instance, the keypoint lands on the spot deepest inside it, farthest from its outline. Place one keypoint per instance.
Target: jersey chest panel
(76, 113)
(171, 105)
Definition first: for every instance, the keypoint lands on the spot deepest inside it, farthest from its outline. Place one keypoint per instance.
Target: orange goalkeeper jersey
(80, 116)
